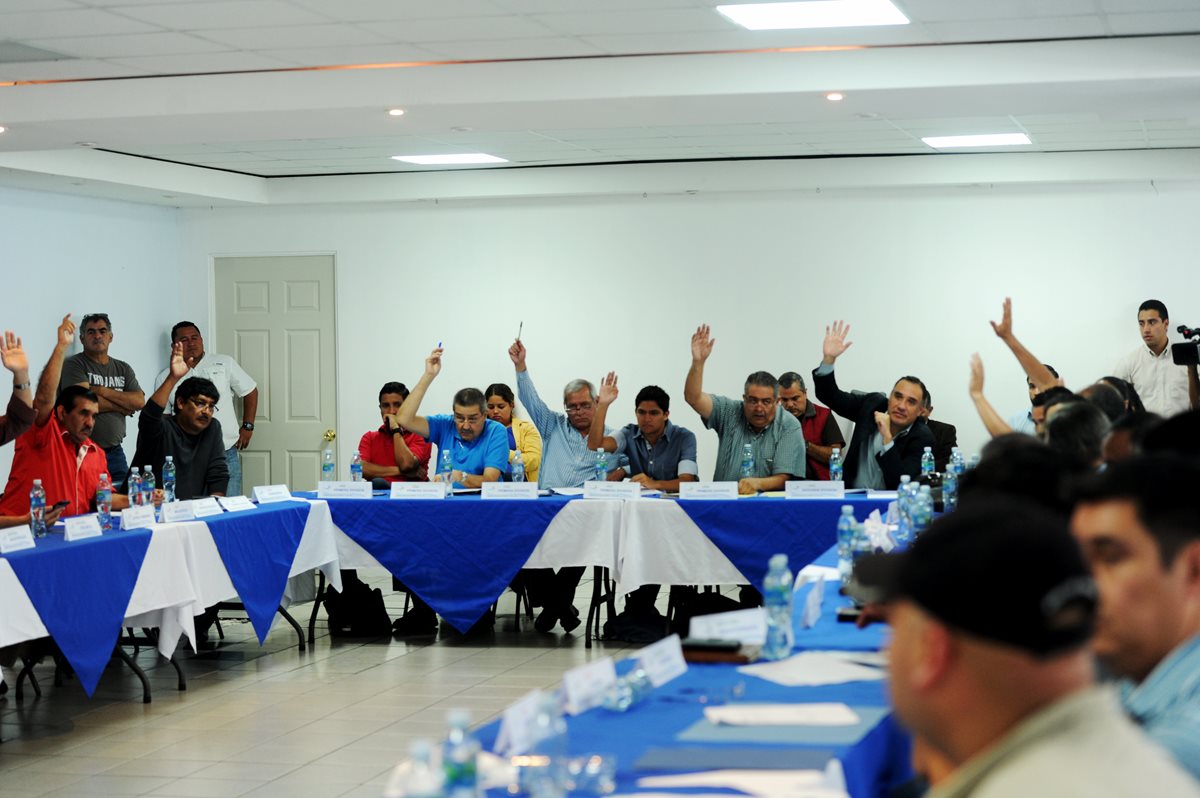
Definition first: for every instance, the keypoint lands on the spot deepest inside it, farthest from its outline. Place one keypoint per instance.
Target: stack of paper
(811, 668)
(830, 714)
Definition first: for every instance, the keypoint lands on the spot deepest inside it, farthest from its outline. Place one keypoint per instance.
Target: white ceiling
(236, 84)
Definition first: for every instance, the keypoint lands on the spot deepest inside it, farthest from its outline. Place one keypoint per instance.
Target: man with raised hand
(890, 434)
(19, 414)
(776, 439)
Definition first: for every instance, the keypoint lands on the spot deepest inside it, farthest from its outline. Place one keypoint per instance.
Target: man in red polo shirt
(821, 432)
(58, 449)
(392, 453)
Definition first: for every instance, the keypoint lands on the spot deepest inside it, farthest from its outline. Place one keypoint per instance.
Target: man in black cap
(991, 614)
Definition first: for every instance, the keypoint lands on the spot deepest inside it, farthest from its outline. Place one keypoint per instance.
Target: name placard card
(517, 730)
(418, 490)
(344, 490)
(592, 489)
(745, 626)
(206, 506)
(173, 512)
(585, 686)
(708, 490)
(17, 538)
(141, 517)
(814, 489)
(509, 490)
(80, 527)
(812, 604)
(265, 494)
(663, 661)
(236, 504)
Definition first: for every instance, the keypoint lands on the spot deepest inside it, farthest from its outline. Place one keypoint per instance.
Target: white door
(275, 315)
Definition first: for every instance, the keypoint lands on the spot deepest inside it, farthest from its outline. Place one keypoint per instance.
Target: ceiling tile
(226, 14)
(165, 43)
(79, 22)
(1005, 29)
(435, 30)
(594, 23)
(66, 70)
(560, 6)
(369, 10)
(1159, 22)
(1133, 6)
(957, 10)
(553, 47)
(200, 62)
(353, 54)
(294, 36)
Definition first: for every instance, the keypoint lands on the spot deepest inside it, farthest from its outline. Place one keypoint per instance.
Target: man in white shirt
(1162, 385)
(231, 380)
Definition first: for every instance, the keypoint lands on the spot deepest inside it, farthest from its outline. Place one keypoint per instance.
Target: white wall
(620, 283)
(65, 254)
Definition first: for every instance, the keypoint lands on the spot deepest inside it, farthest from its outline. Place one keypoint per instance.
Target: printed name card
(812, 604)
(174, 512)
(80, 527)
(594, 489)
(708, 490)
(663, 661)
(344, 490)
(814, 489)
(206, 507)
(418, 490)
(236, 504)
(745, 626)
(17, 538)
(509, 490)
(585, 686)
(138, 517)
(265, 494)
(518, 732)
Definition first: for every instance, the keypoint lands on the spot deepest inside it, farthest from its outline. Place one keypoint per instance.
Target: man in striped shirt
(566, 463)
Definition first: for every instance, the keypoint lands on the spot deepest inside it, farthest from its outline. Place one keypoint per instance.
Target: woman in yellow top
(522, 435)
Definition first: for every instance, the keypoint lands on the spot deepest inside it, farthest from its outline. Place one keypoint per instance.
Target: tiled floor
(271, 721)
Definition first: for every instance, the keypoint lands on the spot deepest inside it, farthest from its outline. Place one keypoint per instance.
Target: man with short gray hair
(821, 432)
(566, 463)
(775, 439)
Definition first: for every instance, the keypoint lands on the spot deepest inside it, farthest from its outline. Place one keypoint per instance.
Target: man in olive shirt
(113, 381)
(775, 438)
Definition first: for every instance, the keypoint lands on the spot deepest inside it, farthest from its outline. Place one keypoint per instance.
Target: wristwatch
(248, 426)
(22, 386)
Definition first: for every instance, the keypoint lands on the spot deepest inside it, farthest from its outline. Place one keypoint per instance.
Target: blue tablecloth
(81, 591)
(458, 555)
(258, 548)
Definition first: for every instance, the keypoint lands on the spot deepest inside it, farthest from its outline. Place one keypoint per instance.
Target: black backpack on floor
(357, 611)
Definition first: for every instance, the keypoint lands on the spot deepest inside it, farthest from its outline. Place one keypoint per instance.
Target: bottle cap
(778, 561)
(37, 482)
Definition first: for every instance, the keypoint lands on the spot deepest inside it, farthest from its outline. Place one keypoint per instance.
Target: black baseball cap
(1004, 571)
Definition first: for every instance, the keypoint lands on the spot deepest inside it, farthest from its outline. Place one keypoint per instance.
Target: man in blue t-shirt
(478, 450)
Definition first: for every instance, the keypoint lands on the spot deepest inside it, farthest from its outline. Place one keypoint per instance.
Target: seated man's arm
(686, 468)
(47, 389)
(495, 458)
(407, 414)
(608, 394)
(114, 401)
(541, 416)
(831, 436)
(1038, 374)
(216, 479)
(374, 470)
(693, 386)
(846, 405)
(789, 464)
(903, 456)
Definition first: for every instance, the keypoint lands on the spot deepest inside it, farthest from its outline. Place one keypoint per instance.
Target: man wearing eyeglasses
(191, 436)
(232, 381)
(113, 381)
(775, 439)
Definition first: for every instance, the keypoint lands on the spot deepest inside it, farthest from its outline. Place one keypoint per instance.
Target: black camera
(1187, 354)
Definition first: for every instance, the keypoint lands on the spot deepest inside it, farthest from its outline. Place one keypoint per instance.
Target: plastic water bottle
(424, 779)
(628, 690)
(747, 461)
(168, 472)
(104, 502)
(845, 540)
(861, 545)
(927, 462)
(904, 510)
(356, 468)
(777, 598)
(459, 752)
(37, 509)
(835, 464)
(974, 461)
(148, 487)
(327, 464)
(954, 470)
(601, 466)
(548, 780)
(134, 486)
(518, 467)
(957, 462)
(922, 512)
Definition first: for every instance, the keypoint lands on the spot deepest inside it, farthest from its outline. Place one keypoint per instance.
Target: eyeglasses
(582, 407)
(202, 405)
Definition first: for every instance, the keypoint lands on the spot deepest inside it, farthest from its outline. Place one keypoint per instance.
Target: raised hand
(835, 342)
(608, 389)
(433, 363)
(66, 331)
(975, 387)
(178, 366)
(1004, 327)
(12, 354)
(702, 343)
(516, 353)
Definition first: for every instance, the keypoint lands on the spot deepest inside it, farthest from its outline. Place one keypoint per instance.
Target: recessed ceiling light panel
(395, 112)
(984, 140)
(835, 96)
(814, 14)
(450, 160)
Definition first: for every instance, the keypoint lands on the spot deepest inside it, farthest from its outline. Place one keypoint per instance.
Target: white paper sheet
(790, 783)
(829, 714)
(810, 668)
